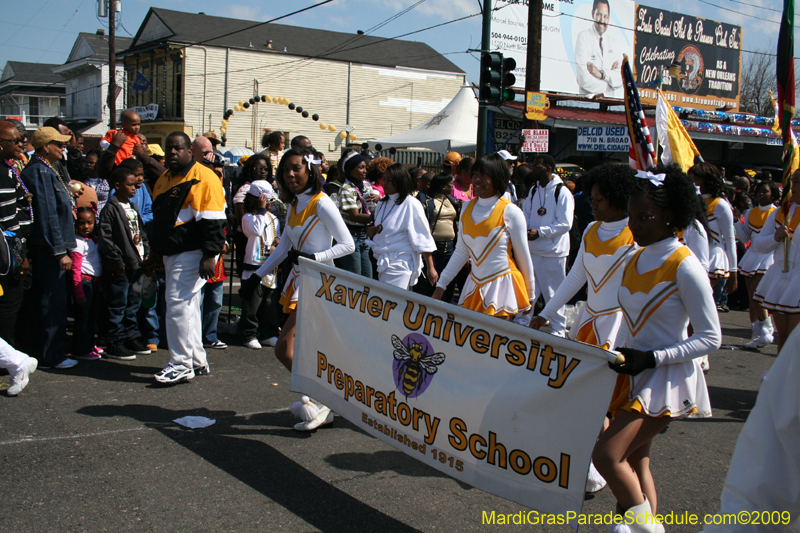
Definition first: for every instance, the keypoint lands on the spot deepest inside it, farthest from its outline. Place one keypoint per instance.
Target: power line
(759, 7)
(739, 12)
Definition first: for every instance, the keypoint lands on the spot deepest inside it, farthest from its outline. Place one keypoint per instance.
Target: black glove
(294, 254)
(249, 286)
(635, 361)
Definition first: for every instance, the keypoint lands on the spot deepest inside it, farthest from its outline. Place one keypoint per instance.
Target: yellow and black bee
(415, 365)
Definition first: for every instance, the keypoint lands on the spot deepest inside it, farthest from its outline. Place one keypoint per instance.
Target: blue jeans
(85, 318)
(122, 305)
(50, 286)
(148, 317)
(358, 262)
(210, 306)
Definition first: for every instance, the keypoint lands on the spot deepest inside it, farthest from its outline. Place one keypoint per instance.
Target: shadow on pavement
(739, 402)
(107, 370)
(261, 466)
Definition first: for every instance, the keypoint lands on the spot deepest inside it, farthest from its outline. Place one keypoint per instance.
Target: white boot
(764, 337)
(594, 481)
(640, 519)
(756, 330)
(323, 418)
(768, 323)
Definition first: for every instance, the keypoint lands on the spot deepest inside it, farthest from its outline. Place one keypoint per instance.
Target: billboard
(583, 42)
(709, 54)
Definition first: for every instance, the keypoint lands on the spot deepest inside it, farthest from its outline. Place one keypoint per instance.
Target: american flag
(641, 154)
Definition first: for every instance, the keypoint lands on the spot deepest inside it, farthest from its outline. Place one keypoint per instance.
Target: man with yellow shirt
(189, 232)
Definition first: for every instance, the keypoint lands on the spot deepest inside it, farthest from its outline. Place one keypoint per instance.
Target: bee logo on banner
(414, 364)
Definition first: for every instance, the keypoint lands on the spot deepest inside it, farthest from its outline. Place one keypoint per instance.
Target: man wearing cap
(548, 211)
(52, 238)
(189, 232)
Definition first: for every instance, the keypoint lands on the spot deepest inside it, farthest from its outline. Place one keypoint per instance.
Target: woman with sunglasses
(49, 245)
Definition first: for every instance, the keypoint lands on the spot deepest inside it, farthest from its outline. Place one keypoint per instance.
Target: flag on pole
(786, 88)
(678, 147)
(794, 162)
(641, 154)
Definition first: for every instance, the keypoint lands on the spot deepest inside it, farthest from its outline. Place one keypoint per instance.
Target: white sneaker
(561, 334)
(764, 340)
(272, 341)
(66, 363)
(323, 418)
(594, 481)
(20, 380)
(253, 344)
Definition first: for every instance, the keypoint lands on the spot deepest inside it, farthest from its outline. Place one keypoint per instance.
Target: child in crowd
(86, 271)
(260, 308)
(123, 246)
(126, 138)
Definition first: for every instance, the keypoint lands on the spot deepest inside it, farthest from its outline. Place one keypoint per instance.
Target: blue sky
(45, 30)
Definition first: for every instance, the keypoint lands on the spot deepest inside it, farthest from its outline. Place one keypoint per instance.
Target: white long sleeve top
(516, 234)
(555, 224)
(720, 224)
(314, 235)
(404, 227)
(764, 242)
(696, 240)
(604, 299)
(671, 305)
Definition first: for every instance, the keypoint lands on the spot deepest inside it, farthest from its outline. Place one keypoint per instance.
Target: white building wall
(383, 101)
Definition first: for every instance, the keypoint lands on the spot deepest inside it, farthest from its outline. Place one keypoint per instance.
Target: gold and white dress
(663, 288)
(778, 290)
(313, 222)
(722, 238)
(500, 283)
(600, 263)
(753, 262)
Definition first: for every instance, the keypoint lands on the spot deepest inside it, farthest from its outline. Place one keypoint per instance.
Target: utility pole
(533, 62)
(483, 108)
(112, 67)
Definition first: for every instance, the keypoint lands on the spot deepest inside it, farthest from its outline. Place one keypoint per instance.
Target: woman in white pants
(400, 236)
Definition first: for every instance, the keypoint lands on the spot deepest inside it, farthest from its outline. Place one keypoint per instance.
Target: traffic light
(491, 77)
(508, 80)
(497, 78)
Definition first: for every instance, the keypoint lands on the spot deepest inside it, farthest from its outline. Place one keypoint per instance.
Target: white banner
(507, 409)
(148, 112)
(603, 139)
(537, 141)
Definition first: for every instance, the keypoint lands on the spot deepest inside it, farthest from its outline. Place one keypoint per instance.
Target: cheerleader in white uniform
(604, 248)
(313, 222)
(400, 236)
(492, 235)
(779, 291)
(695, 235)
(755, 264)
(663, 288)
(722, 238)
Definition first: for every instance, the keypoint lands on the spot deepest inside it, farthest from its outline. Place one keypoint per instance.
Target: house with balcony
(31, 93)
(85, 76)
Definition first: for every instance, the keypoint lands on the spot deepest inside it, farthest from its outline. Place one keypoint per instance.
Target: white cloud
(243, 12)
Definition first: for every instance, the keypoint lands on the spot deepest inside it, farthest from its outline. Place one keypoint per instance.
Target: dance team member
(663, 288)
(605, 246)
(779, 289)
(755, 264)
(492, 236)
(313, 222)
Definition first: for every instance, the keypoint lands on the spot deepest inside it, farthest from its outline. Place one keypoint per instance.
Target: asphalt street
(95, 448)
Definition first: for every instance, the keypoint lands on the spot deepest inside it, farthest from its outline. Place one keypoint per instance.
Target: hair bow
(311, 161)
(655, 179)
